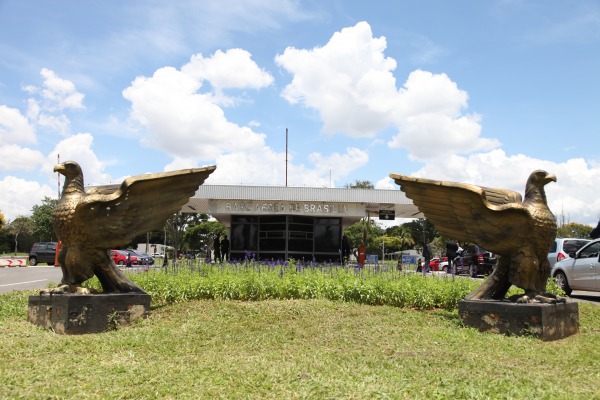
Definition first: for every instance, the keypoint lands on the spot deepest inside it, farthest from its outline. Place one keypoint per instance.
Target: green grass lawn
(290, 349)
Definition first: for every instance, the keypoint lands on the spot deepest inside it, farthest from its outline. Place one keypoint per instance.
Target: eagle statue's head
(70, 169)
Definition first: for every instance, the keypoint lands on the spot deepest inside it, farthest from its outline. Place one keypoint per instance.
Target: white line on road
(23, 283)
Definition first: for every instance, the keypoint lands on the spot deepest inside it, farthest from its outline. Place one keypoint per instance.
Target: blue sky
(483, 92)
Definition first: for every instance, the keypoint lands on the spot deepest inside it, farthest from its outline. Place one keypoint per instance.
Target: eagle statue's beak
(550, 177)
(59, 168)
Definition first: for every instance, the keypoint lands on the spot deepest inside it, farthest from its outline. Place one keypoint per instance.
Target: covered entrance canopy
(293, 222)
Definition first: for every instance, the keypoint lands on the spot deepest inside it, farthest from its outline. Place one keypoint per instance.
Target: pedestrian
(426, 256)
(345, 250)
(128, 260)
(595, 233)
(451, 253)
(362, 255)
(217, 248)
(225, 249)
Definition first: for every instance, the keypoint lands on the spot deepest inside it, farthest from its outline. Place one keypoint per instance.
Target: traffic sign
(387, 214)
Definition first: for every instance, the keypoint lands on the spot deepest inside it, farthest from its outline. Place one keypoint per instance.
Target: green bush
(253, 281)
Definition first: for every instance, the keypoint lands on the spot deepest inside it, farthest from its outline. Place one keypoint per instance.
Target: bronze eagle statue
(90, 223)
(520, 231)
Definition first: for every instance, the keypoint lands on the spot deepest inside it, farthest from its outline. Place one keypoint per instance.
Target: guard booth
(302, 223)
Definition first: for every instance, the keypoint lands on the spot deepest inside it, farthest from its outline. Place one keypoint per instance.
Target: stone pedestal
(545, 321)
(77, 314)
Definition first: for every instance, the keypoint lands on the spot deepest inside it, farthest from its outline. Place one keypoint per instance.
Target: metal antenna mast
(58, 174)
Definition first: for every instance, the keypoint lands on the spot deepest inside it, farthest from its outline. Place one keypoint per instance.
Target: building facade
(294, 222)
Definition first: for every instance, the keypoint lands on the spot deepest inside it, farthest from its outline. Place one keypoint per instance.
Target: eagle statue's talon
(60, 289)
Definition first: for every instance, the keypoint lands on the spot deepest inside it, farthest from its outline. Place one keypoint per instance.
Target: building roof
(373, 200)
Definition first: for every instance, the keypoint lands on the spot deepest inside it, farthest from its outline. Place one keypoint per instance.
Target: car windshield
(571, 246)
(590, 251)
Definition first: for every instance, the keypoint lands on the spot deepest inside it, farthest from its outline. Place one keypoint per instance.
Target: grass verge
(293, 349)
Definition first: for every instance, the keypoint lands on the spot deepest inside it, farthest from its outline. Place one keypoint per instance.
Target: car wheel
(32, 261)
(445, 268)
(561, 281)
(121, 262)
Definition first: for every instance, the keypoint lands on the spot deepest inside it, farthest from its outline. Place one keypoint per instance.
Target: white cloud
(20, 195)
(78, 148)
(14, 127)
(183, 122)
(574, 195)
(59, 94)
(349, 81)
(339, 165)
(19, 158)
(233, 68)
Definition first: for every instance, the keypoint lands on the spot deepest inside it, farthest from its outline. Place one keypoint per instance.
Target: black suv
(474, 261)
(42, 252)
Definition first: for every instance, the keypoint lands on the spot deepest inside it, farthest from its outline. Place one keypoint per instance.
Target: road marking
(23, 283)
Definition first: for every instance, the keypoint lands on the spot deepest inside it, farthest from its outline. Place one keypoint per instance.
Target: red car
(434, 263)
(120, 257)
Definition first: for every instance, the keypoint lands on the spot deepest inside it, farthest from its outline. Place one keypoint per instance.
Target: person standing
(426, 256)
(345, 250)
(451, 253)
(225, 249)
(595, 233)
(217, 248)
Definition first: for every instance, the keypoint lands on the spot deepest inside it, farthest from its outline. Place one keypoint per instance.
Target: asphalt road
(24, 278)
(38, 277)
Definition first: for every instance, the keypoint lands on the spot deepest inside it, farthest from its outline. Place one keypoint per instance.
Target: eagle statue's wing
(494, 217)
(140, 204)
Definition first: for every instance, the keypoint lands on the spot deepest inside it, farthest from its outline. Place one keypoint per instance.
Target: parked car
(144, 258)
(42, 252)
(580, 270)
(474, 261)
(120, 257)
(563, 246)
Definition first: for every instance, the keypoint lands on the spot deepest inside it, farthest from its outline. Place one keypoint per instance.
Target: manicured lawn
(289, 349)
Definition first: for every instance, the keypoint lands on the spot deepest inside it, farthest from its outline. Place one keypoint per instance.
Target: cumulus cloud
(183, 122)
(340, 165)
(58, 93)
(350, 83)
(572, 196)
(20, 195)
(232, 69)
(14, 127)
(79, 148)
(21, 158)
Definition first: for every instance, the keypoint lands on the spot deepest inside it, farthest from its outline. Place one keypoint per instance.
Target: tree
(41, 219)
(364, 232)
(200, 236)
(360, 185)
(20, 226)
(421, 229)
(574, 230)
(2, 220)
(403, 234)
(177, 225)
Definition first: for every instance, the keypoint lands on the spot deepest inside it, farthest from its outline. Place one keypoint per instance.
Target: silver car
(581, 271)
(562, 247)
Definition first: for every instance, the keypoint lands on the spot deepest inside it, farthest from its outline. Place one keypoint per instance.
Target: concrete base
(77, 314)
(545, 321)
